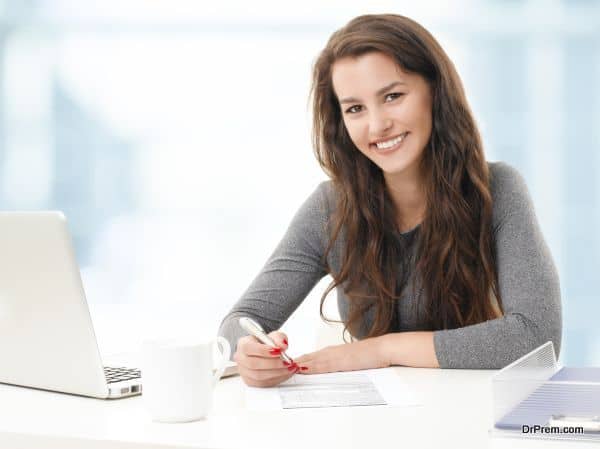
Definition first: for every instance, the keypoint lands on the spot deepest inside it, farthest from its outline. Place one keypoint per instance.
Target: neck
(409, 198)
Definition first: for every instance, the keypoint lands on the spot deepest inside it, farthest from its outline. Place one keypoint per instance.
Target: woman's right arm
(289, 274)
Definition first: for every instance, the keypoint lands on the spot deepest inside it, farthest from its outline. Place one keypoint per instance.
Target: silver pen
(256, 329)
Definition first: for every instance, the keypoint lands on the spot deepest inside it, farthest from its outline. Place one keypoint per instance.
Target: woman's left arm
(403, 348)
(528, 283)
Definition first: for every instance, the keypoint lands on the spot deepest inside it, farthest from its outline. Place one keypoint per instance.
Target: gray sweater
(528, 281)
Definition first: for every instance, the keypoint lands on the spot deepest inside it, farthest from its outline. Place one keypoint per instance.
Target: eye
(394, 95)
(350, 109)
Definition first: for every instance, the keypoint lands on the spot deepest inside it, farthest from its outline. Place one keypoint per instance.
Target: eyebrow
(379, 92)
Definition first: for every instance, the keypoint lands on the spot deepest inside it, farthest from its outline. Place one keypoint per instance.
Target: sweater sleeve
(289, 274)
(528, 284)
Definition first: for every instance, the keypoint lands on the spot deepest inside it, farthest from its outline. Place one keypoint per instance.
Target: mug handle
(225, 353)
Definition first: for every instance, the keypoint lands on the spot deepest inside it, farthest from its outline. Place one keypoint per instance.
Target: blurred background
(175, 136)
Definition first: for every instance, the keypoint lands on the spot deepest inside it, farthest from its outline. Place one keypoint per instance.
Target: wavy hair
(456, 260)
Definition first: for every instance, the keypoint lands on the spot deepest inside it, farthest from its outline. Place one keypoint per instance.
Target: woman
(437, 254)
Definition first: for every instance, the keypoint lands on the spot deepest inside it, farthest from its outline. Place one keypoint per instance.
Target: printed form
(345, 389)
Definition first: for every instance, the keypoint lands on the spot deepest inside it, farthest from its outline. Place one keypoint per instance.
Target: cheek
(421, 126)
(354, 132)
(426, 117)
(428, 128)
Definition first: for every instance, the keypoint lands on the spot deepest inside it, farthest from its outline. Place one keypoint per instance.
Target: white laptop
(47, 340)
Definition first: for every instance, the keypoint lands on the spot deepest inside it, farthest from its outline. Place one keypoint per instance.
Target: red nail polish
(275, 351)
(286, 363)
(285, 341)
(292, 368)
(303, 368)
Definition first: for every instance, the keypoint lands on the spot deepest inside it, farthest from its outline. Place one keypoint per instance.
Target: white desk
(456, 412)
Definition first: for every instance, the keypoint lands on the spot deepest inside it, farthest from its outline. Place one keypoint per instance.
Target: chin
(393, 172)
(396, 169)
(400, 166)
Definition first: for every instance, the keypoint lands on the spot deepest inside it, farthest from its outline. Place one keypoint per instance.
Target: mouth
(390, 145)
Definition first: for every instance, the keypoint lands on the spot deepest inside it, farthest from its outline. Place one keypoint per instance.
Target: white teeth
(391, 143)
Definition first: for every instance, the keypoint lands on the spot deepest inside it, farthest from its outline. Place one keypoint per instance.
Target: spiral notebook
(536, 397)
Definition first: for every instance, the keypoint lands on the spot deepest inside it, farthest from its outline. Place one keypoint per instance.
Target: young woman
(436, 254)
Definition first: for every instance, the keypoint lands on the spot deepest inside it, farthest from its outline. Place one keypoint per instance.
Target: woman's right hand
(259, 365)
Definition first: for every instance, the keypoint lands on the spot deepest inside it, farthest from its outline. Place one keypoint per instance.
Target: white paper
(374, 387)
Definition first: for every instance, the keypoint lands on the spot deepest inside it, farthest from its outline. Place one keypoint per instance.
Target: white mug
(178, 379)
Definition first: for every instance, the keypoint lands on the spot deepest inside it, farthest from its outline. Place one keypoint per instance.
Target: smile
(390, 145)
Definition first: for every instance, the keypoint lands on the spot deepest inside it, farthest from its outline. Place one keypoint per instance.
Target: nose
(379, 124)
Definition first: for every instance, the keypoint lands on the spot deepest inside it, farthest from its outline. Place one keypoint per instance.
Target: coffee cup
(178, 378)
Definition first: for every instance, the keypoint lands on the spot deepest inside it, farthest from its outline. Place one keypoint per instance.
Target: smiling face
(387, 112)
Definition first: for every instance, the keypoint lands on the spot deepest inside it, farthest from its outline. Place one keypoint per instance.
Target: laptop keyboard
(119, 374)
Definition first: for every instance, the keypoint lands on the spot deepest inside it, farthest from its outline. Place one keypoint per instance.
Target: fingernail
(286, 363)
(303, 368)
(285, 341)
(275, 351)
(292, 368)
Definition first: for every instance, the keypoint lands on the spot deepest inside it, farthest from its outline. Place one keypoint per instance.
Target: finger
(260, 363)
(305, 358)
(252, 346)
(288, 374)
(292, 373)
(305, 362)
(267, 377)
(280, 339)
(305, 368)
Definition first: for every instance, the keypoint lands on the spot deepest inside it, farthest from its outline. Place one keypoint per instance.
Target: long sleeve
(528, 284)
(289, 274)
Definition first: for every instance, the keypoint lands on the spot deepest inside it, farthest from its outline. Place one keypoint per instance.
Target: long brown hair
(456, 260)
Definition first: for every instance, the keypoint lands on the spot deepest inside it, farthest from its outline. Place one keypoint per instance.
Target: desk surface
(456, 412)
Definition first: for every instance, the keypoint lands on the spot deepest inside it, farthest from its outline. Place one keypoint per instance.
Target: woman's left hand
(363, 354)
